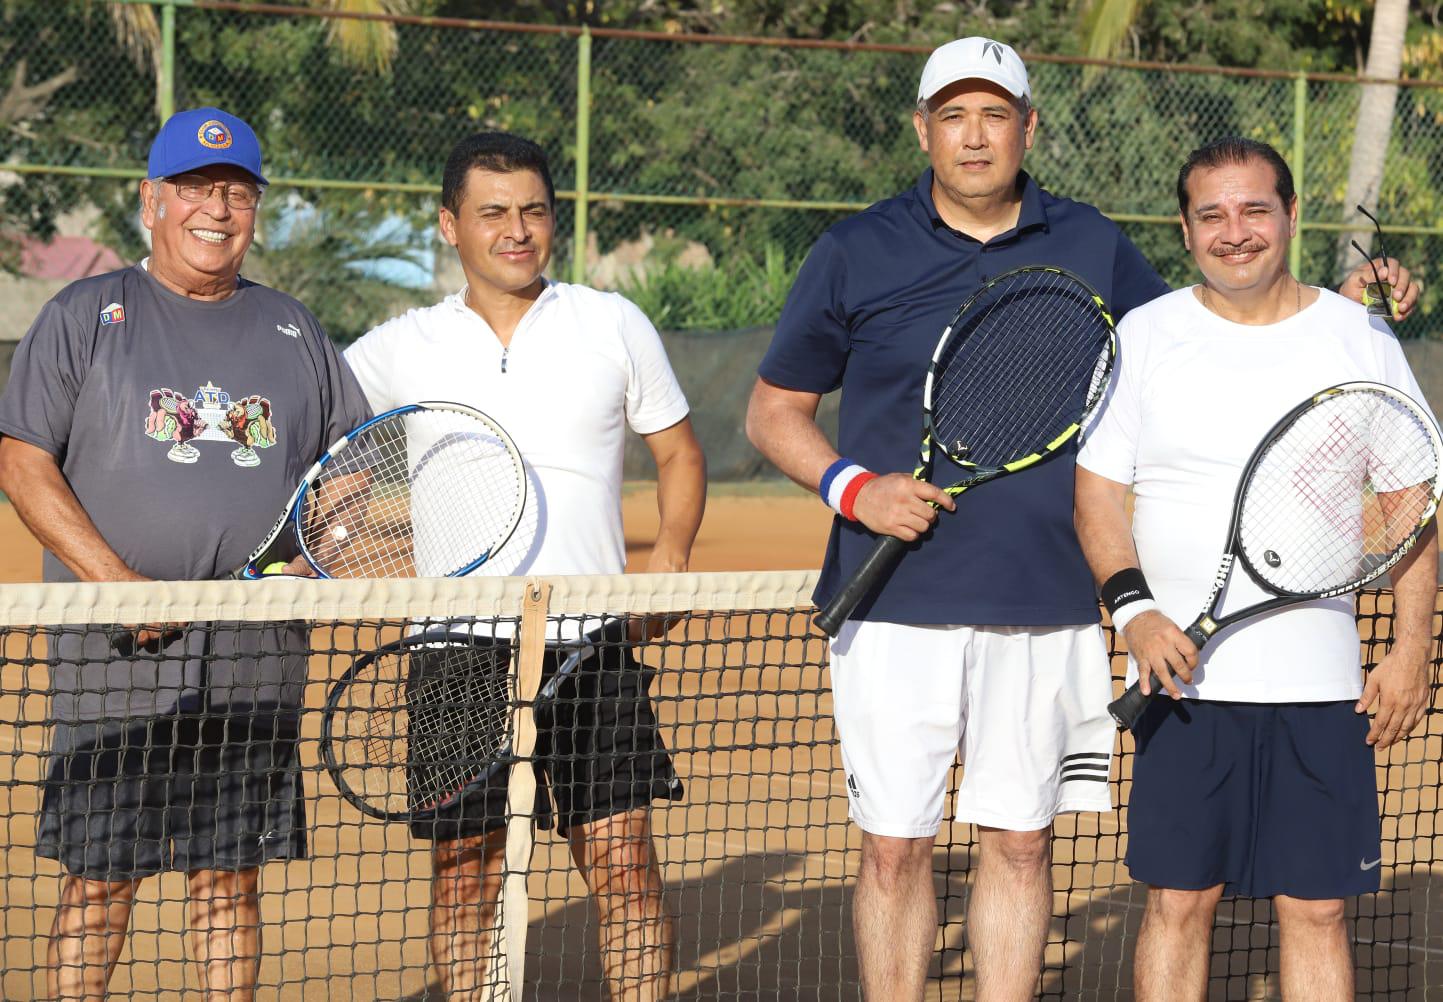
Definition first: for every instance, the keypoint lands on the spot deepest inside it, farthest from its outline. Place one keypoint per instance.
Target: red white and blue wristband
(841, 484)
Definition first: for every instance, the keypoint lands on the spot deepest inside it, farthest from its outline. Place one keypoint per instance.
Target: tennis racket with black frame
(415, 727)
(431, 489)
(1016, 373)
(1336, 493)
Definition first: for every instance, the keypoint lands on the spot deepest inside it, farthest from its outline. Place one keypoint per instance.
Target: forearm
(48, 507)
(680, 502)
(1103, 528)
(782, 425)
(1415, 589)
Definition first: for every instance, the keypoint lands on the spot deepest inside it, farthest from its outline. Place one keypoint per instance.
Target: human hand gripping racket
(1335, 494)
(1012, 381)
(415, 727)
(429, 489)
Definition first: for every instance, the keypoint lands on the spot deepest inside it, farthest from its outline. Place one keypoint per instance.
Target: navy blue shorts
(1263, 798)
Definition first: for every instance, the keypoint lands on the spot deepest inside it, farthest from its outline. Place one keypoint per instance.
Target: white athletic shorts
(1025, 707)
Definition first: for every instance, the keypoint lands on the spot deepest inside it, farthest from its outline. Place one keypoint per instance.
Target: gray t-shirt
(182, 427)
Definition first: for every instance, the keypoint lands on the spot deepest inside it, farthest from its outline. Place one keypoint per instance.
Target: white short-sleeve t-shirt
(1193, 396)
(581, 368)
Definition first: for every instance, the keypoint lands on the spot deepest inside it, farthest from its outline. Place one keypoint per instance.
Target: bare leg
(225, 931)
(894, 916)
(87, 936)
(617, 858)
(1009, 911)
(465, 888)
(1174, 944)
(1317, 955)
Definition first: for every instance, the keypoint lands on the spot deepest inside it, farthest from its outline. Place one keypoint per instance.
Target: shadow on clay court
(750, 928)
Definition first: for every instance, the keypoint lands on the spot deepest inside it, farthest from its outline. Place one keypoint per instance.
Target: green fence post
(165, 80)
(583, 154)
(1300, 126)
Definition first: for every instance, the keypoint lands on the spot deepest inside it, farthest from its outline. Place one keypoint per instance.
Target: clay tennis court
(766, 527)
(758, 859)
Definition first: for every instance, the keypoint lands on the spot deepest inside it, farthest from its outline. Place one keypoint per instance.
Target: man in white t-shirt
(566, 370)
(1256, 778)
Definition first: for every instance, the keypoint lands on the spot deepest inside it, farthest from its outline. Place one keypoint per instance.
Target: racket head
(431, 489)
(414, 727)
(1016, 374)
(1338, 491)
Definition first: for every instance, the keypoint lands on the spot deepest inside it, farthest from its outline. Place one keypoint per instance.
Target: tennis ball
(339, 532)
(278, 567)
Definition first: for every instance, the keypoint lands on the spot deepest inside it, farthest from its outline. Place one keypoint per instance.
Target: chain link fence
(694, 174)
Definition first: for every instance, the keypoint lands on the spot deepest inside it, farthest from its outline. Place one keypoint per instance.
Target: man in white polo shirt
(566, 370)
(1257, 777)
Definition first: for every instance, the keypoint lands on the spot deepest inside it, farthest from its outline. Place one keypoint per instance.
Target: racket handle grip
(1126, 708)
(123, 644)
(1196, 634)
(879, 564)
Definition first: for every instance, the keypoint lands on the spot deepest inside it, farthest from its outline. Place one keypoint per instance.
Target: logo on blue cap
(214, 135)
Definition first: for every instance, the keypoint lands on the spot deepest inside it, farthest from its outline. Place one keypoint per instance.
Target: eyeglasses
(236, 194)
(1377, 294)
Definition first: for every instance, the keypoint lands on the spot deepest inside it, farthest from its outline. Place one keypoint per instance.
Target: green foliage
(722, 122)
(325, 258)
(742, 291)
(1104, 25)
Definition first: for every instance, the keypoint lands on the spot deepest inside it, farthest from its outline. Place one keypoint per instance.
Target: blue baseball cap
(202, 137)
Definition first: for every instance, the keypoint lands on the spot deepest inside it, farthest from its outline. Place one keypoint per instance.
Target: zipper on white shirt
(504, 352)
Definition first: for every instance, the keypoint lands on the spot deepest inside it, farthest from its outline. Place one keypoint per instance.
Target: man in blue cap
(155, 420)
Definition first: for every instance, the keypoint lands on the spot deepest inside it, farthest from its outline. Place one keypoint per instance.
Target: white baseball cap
(974, 58)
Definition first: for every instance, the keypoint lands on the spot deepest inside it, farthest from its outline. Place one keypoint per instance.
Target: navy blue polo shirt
(864, 315)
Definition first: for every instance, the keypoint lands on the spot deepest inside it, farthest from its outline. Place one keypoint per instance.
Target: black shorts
(183, 792)
(598, 748)
(1263, 798)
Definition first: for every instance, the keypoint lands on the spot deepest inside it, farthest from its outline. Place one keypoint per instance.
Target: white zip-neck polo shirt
(581, 368)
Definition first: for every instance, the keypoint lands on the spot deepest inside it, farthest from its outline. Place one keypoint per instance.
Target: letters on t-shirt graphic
(210, 415)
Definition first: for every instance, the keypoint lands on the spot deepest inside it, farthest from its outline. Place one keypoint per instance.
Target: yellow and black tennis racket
(1013, 379)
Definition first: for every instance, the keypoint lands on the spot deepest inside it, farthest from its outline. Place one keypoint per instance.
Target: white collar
(457, 300)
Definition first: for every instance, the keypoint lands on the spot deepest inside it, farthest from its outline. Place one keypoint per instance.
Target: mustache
(1243, 248)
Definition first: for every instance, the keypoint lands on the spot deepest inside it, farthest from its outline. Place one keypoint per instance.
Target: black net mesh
(206, 754)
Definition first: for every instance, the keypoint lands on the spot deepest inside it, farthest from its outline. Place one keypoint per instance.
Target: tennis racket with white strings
(1013, 379)
(415, 727)
(430, 489)
(1337, 492)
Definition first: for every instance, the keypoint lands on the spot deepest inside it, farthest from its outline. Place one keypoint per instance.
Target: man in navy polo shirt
(924, 654)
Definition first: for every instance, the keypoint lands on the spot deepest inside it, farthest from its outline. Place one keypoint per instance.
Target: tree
(1375, 117)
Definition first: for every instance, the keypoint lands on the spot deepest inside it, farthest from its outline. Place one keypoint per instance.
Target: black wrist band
(1125, 587)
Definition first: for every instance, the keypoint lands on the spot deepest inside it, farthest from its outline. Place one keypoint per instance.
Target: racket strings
(418, 725)
(1336, 496)
(425, 493)
(1020, 369)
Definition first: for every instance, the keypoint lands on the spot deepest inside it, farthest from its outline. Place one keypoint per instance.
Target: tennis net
(755, 857)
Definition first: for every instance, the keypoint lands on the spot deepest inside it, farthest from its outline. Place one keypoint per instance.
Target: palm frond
(368, 45)
(1105, 23)
(138, 30)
